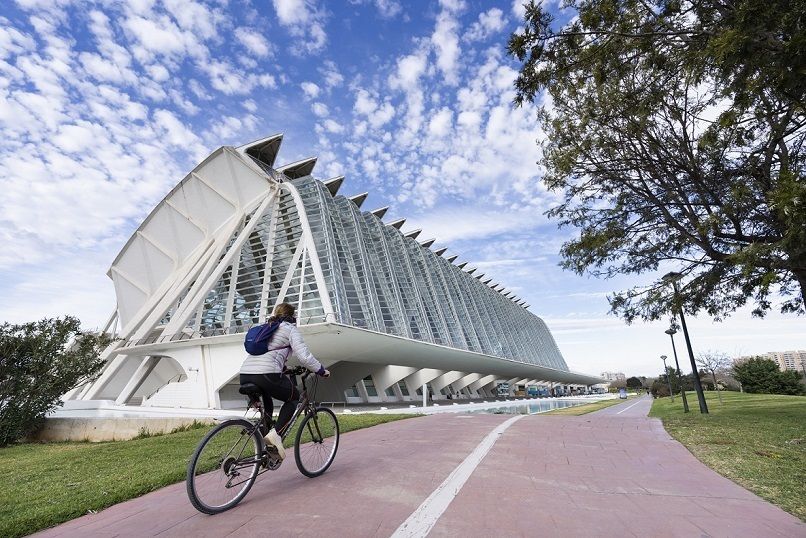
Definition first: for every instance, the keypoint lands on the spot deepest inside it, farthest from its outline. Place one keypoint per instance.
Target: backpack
(257, 338)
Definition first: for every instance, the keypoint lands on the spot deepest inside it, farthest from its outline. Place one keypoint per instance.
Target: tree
(634, 383)
(675, 131)
(617, 384)
(762, 375)
(39, 362)
(713, 361)
(659, 388)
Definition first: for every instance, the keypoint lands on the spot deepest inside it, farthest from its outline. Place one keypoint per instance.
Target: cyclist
(266, 371)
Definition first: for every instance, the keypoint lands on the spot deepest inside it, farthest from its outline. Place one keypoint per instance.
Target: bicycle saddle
(250, 389)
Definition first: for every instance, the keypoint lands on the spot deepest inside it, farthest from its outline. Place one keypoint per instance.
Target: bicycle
(232, 455)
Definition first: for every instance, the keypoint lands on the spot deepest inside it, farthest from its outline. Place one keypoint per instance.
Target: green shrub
(759, 375)
(39, 362)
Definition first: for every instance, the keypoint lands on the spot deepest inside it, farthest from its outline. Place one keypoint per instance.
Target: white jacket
(274, 361)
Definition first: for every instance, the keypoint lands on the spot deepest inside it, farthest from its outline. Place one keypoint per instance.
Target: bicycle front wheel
(317, 441)
(224, 466)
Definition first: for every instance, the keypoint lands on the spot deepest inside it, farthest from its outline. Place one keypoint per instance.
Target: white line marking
(633, 405)
(422, 520)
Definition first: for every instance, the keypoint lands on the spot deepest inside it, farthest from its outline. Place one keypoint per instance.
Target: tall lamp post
(672, 278)
(668, 379)
(671, 332)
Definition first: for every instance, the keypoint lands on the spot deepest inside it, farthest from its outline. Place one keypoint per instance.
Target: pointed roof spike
(451, 259)
(527, 305)
(397, 223)
(334, 184)
(441, 251)
(298, 169)
(264, 150)
(427, 243)
(380, 212)
(487, 281)
(470, 271)
(493, 285)
(413, 234)
(462, 265)
(358, 199)
(479, 276)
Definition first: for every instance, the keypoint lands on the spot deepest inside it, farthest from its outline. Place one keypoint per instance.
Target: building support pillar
(465, 382)
(140, 375)
(389, 376)
(415, 381)
(446, 379)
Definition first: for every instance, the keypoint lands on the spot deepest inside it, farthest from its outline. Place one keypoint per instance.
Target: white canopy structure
(384, 312)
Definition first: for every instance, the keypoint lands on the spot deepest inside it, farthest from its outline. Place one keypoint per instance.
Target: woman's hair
(284, 310)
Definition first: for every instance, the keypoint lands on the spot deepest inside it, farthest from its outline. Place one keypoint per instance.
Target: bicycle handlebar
(299, 370)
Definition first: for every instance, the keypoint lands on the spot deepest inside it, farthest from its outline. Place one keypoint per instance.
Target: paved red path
(605, 474)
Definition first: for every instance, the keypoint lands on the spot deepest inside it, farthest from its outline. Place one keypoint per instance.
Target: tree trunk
(801, 276)
(716, 385)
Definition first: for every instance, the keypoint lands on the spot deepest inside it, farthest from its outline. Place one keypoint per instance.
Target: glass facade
(374, 276)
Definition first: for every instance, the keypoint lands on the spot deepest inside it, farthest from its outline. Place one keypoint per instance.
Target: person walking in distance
(267, 370)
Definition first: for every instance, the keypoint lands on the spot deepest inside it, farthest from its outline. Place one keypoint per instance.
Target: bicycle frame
(305, 404)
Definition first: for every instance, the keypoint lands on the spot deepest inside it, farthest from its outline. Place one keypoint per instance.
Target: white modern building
(613, 376)
(385, 312)
(786, 360)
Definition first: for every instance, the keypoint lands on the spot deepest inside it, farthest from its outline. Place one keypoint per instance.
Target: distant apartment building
(786, 360)
(614, 376)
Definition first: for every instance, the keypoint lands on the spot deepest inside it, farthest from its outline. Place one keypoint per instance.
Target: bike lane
(379, 477)
(598, 474)
(605, 474)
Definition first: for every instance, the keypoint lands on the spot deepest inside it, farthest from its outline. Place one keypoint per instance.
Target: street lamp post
(672, 278)
(668, 379)
(671, 332)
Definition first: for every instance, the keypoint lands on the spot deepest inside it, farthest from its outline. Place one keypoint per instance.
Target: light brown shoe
(273, 438)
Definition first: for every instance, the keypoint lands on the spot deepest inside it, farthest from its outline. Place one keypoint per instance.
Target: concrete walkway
(613, 473)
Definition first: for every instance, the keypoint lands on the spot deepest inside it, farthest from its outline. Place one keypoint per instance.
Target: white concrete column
(490, 388)
(445, 379)
(419, 378)
(481, 382)
(388, 376)
(463, 383)
(343, 375)
(146, 367)
(459, 384)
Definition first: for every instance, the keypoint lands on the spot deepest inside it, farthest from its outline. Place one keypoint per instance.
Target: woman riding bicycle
(266, 371)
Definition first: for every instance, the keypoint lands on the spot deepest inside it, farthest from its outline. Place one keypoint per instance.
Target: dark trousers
(276, 386)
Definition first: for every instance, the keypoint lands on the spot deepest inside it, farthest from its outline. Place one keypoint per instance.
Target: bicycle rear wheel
(224, 466)
(320, 434)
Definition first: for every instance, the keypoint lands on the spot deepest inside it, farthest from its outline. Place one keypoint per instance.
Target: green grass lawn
(585, 409)
(42, 485)
(756, 440)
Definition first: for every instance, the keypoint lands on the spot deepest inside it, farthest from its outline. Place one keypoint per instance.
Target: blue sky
(104, 106)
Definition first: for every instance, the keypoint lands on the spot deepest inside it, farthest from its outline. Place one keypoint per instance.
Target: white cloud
(388, 8)
(310, 89)
(332, 126)
(472, 221)
(291, 11)
(517, 8)
(331, 75)
(253, 41)
(445, 41)
(159, 36)
(441, 123)
(489, 23)
(320, 109)
(304, 21)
